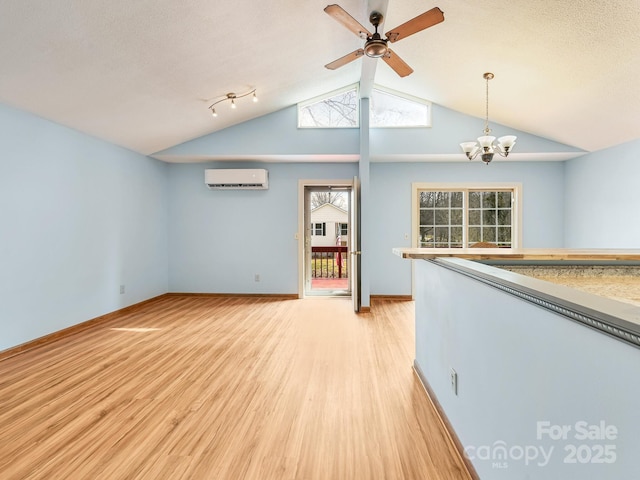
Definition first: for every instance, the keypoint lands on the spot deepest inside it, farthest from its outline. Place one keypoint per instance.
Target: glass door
(327, 239)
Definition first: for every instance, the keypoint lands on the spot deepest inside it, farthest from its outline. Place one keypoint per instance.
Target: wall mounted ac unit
(247, 178)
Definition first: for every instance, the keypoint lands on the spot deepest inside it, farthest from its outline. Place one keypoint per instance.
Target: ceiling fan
(376, 46)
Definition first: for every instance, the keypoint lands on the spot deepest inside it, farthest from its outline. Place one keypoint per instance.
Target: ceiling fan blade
(417, 24)
(337, 12)
(350, 57)
(399, 66)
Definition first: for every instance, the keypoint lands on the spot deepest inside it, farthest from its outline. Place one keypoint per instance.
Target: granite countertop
(620, 283)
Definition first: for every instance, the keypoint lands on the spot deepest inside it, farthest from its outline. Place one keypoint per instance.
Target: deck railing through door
(329, 262)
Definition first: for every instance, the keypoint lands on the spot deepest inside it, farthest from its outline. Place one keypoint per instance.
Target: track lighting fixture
(232, 97)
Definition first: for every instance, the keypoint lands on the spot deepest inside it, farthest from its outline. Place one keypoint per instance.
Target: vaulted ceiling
(142, 73)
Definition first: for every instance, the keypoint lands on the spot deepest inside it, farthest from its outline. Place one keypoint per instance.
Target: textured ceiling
(141, 74)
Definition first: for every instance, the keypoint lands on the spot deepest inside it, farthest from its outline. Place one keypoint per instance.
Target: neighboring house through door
(328, 222)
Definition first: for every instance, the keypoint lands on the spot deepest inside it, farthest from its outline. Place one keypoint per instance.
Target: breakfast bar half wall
(536, 380)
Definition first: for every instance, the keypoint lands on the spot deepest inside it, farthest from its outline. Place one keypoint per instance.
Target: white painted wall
(601, 199)
(78, 218)
(518, 365)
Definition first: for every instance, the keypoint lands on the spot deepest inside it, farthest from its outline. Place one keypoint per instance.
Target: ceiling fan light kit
(232, 97)
(485, 144)
(377, 47)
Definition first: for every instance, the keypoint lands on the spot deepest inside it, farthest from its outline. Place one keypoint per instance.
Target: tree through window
(395, 110)
(456, 218)
(339, 109)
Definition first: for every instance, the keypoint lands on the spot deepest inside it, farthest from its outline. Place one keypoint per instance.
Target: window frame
(516, 210)
(326, 96)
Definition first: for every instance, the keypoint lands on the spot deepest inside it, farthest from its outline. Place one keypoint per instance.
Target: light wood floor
(226, 388)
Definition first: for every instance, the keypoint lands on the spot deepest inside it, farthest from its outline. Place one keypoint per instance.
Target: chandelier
(232, 97)
(486, 146)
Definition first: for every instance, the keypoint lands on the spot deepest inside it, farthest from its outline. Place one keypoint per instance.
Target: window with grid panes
(461, 217)
(490, 217)
(441, 219)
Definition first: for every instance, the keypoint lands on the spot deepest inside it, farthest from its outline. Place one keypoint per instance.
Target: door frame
(300, 234)
(355, 264)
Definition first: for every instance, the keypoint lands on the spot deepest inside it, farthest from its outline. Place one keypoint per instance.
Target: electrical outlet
(406, 236)
(257, 277)
(121, 289)
(453, 377)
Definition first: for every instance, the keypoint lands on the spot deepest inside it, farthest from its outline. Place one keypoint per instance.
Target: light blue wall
(219, 239)
(450, 128)
(273, 134)
(543, 198)
(78, 218)
(386, 190)
(277, 134)
(602, 195)
(519, 364)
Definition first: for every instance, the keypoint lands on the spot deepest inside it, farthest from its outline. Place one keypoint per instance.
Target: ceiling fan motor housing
(375, 47)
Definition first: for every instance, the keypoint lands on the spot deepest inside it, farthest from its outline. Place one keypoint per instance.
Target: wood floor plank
(190, 387)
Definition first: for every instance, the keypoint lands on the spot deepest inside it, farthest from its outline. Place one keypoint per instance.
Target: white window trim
(411, 98)
(516, 217)
(325, 96)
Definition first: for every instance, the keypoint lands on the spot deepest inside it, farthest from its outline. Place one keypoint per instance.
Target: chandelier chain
(487, 130)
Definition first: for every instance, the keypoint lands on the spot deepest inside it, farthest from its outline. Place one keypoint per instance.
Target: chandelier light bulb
(233, 103)
(213, 112)
(255, 97)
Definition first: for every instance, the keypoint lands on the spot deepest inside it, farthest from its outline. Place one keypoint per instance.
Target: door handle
(357, 252)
